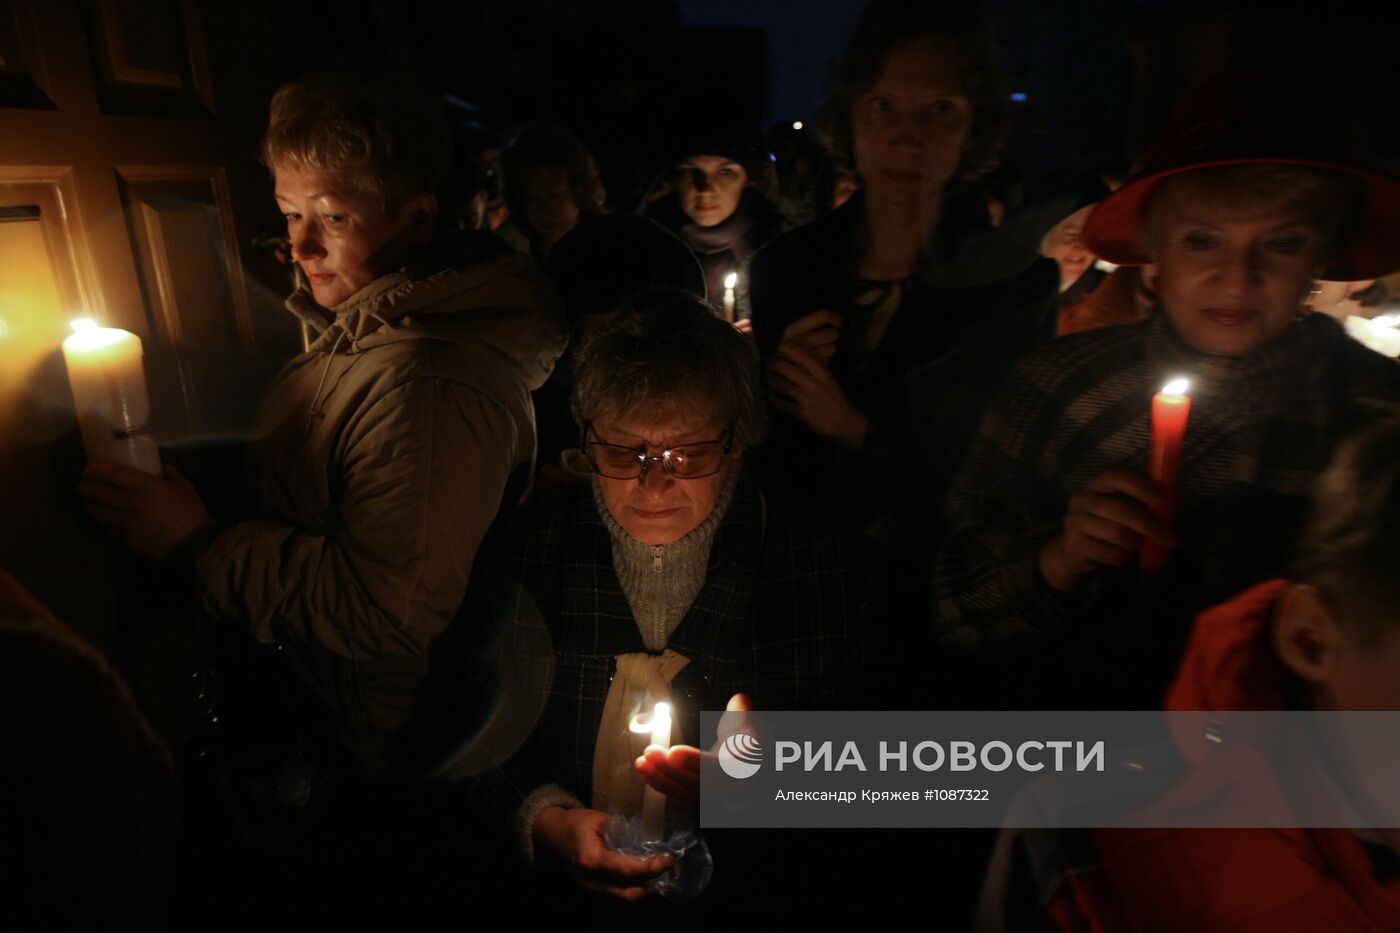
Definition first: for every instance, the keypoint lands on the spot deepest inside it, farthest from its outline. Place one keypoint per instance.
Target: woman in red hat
(1234, 214)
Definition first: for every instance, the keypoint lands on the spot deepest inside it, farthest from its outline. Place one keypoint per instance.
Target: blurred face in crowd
(1063, 245)
(1228, 283)
(658, 508)
(912, 125)
(343, 239)
(709, 188)
(549, 207)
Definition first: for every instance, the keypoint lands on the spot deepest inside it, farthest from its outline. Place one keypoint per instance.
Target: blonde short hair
(380, 135)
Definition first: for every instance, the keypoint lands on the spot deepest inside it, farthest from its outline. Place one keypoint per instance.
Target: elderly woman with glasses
(668, 579)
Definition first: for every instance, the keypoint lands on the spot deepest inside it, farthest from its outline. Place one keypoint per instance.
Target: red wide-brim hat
(1260, 120)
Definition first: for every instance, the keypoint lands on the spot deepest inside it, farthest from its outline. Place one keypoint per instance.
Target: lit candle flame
(797, 124)
(731, 280)
(648, 722)
(82, 324)
(1176, 387)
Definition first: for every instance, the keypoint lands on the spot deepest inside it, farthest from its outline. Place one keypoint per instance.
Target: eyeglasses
(690, 461)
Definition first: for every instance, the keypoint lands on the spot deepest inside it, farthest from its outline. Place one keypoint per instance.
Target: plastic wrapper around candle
(688, 877)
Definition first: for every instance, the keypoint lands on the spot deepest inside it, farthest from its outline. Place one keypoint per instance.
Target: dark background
(627, 75)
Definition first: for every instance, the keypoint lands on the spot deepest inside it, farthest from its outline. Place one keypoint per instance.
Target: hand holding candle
(1170, 409)
(1107, 523)
(109, 393)
(675, 771)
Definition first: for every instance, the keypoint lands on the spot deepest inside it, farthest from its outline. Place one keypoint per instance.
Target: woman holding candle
(1234, 213)
(720, 211)
(668, 580)
(385, 451)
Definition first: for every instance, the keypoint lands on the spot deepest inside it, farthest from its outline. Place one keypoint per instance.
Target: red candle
(1170, 409)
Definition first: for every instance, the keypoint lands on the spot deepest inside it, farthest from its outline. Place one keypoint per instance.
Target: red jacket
(1238, 880)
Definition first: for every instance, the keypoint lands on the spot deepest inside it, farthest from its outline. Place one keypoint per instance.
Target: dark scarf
(729, 235)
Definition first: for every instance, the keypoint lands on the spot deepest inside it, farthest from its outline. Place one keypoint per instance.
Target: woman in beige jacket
(385, 451)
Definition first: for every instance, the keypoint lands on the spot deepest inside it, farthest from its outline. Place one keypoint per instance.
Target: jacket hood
(1229, 666)
(469, 289)
(1229, 663)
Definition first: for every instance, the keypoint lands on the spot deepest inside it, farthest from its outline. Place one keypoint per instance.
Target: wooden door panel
(150, 58)
(23, 77)
(142, 42)
(182, 232)
(116, 204)
(33, 285)
(45, 283)
(41, 197)
(42, 287)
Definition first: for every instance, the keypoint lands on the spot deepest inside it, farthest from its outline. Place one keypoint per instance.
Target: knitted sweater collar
(660, 581)
(712, 632)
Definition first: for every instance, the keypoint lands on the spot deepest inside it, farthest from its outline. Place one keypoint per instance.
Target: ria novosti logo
(741, 755)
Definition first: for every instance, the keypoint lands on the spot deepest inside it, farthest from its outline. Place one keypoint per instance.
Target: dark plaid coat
(1260, 430)
(782, 617)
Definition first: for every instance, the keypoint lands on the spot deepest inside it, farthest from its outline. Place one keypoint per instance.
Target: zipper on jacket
(656, 551)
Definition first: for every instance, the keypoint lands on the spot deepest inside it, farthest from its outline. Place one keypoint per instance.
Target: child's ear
(1306, 634)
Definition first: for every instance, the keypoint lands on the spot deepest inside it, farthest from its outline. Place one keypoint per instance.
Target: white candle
(109, 392)
(730, 281)
(653, 801)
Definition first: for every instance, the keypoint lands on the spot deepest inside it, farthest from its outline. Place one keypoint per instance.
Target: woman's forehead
(926, 65)
(708, 162)
(1206, 211)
